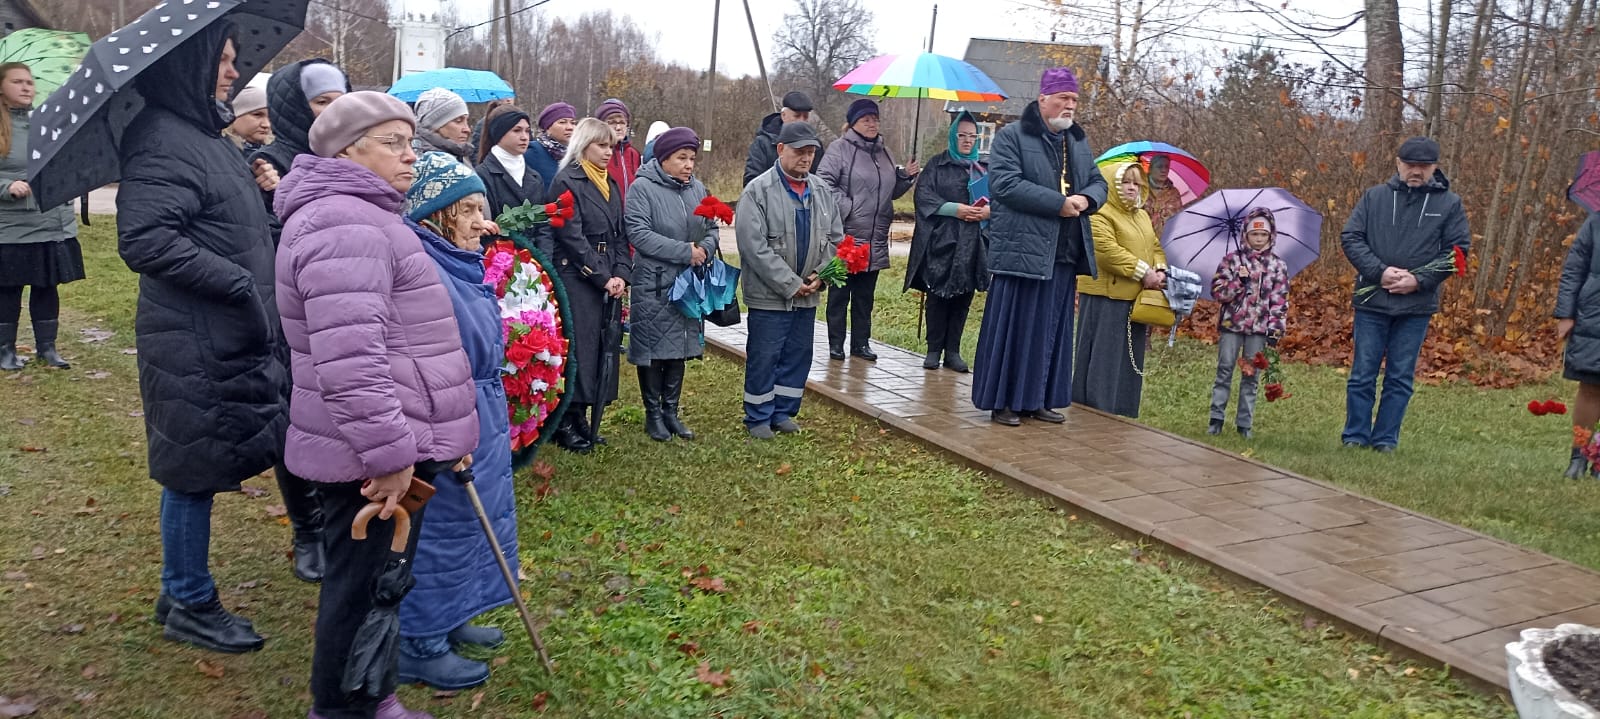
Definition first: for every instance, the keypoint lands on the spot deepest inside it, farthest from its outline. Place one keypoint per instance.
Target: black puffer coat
(191, 224)
(1578, 299)
(290, 112)
(947, 254)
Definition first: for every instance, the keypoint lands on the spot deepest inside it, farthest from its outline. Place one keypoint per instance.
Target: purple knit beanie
(556, 111)
(678, 138)
(610, 107)
(1058, 79)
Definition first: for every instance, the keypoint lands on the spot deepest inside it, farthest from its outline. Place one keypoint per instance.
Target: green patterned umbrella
(51, 55)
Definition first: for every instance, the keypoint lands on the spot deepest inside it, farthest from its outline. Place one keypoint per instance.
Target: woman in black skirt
(592, 256)
(37, 249)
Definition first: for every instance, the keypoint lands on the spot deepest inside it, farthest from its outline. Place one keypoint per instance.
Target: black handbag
(727, 316)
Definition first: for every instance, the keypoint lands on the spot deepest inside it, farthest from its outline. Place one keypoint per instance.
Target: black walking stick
(465, 477)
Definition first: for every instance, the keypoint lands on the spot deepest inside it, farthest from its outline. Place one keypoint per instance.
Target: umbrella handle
(402, 526)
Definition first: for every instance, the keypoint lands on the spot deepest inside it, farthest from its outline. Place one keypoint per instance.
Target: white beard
(1060, 123)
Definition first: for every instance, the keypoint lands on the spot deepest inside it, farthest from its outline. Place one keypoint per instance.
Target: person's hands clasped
(19, 189)
(388, 489)
(1073, 206)
(615, 286)
(1564, 327)
(698, 255)
(812, 285)
(1405, 284)
(266, 175)
(1154, 280)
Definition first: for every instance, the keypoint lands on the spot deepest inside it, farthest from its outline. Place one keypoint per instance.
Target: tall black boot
(304, 508)
(8, 348)
(671, 391)
(44, 342)
(955, 328)
(1579, 468)
(935, 317)
(650, 392)
(568, 436)
(580, 423)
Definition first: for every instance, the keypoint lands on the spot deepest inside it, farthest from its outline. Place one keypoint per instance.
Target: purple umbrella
(1198, 238)
(1585, 187)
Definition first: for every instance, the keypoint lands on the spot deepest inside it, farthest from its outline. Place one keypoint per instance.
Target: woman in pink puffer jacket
(380, 379)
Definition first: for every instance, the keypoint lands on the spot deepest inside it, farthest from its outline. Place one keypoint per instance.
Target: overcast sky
(683, 27)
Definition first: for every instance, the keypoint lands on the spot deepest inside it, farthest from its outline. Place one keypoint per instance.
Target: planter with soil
(1555, 673)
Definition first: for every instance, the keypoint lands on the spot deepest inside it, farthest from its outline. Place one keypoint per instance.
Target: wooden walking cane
(466, 478)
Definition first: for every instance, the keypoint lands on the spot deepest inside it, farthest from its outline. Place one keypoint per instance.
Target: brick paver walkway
(1431, 587)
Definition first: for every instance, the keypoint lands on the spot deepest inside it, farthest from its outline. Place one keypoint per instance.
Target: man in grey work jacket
(788, 227)
(1401, 239)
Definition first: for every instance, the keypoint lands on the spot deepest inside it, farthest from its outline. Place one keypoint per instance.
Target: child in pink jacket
(1252, 283)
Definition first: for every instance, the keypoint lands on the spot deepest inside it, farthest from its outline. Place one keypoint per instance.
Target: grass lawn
(861, 576)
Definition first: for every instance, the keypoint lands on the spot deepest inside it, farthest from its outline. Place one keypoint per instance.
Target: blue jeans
(186, 547)
(1391, 341)
(777, 362)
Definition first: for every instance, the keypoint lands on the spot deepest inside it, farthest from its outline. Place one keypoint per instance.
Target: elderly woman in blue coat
(457, 576)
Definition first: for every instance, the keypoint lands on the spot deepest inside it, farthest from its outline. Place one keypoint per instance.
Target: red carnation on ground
(1554, 407)
(1537, 408)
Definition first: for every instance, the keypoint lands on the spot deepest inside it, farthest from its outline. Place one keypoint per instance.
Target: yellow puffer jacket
(1125, 244)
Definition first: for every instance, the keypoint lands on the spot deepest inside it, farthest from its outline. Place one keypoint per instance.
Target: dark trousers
(347, 597)
(777, 361)
(854, 298)
(299, 502)
(44, 304)
(947, 320)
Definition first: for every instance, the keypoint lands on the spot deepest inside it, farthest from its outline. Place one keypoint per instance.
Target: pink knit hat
(346, 119)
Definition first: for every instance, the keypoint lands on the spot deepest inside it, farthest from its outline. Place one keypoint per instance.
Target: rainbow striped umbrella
(923, 74)
(1186, 173)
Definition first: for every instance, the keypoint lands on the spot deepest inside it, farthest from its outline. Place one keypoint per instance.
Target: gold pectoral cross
(1066, 185)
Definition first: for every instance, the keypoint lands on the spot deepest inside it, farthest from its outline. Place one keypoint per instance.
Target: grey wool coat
(663, 229)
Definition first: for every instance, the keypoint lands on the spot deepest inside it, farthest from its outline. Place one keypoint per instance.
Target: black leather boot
(1579, 468)
(671, 391)
(650, 392)
(9, 360)
(580, 424)
(567, 435)
(44, 343)
(208, 626)
(305, 516)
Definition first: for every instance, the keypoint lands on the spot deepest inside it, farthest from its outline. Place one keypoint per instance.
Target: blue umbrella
(471, 85)
(1198, 238)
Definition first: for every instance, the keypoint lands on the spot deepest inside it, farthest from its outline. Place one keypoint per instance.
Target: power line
(519, 11)
(1176, 29)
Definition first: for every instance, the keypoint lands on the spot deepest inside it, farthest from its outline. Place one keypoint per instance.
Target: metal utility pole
(922, 95)
(711, 77)
(761, 64)
(510, 61)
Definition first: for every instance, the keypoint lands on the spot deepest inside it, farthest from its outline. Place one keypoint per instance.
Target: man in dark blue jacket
(1402, 239)
(1043, 186)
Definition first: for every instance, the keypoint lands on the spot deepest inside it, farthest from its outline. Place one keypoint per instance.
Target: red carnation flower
(565, 200)
(557, 222)
(1460, 261)
(1275, 392)
(550, 209)
(1537, 408)
(1245, 367)
(567, 213)
(1260, 360)
(1553, 407)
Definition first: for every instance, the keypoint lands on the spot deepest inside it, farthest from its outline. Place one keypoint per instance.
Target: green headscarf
(955, 152)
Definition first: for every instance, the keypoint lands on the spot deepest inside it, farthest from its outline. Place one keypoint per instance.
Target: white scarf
(515, 165)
